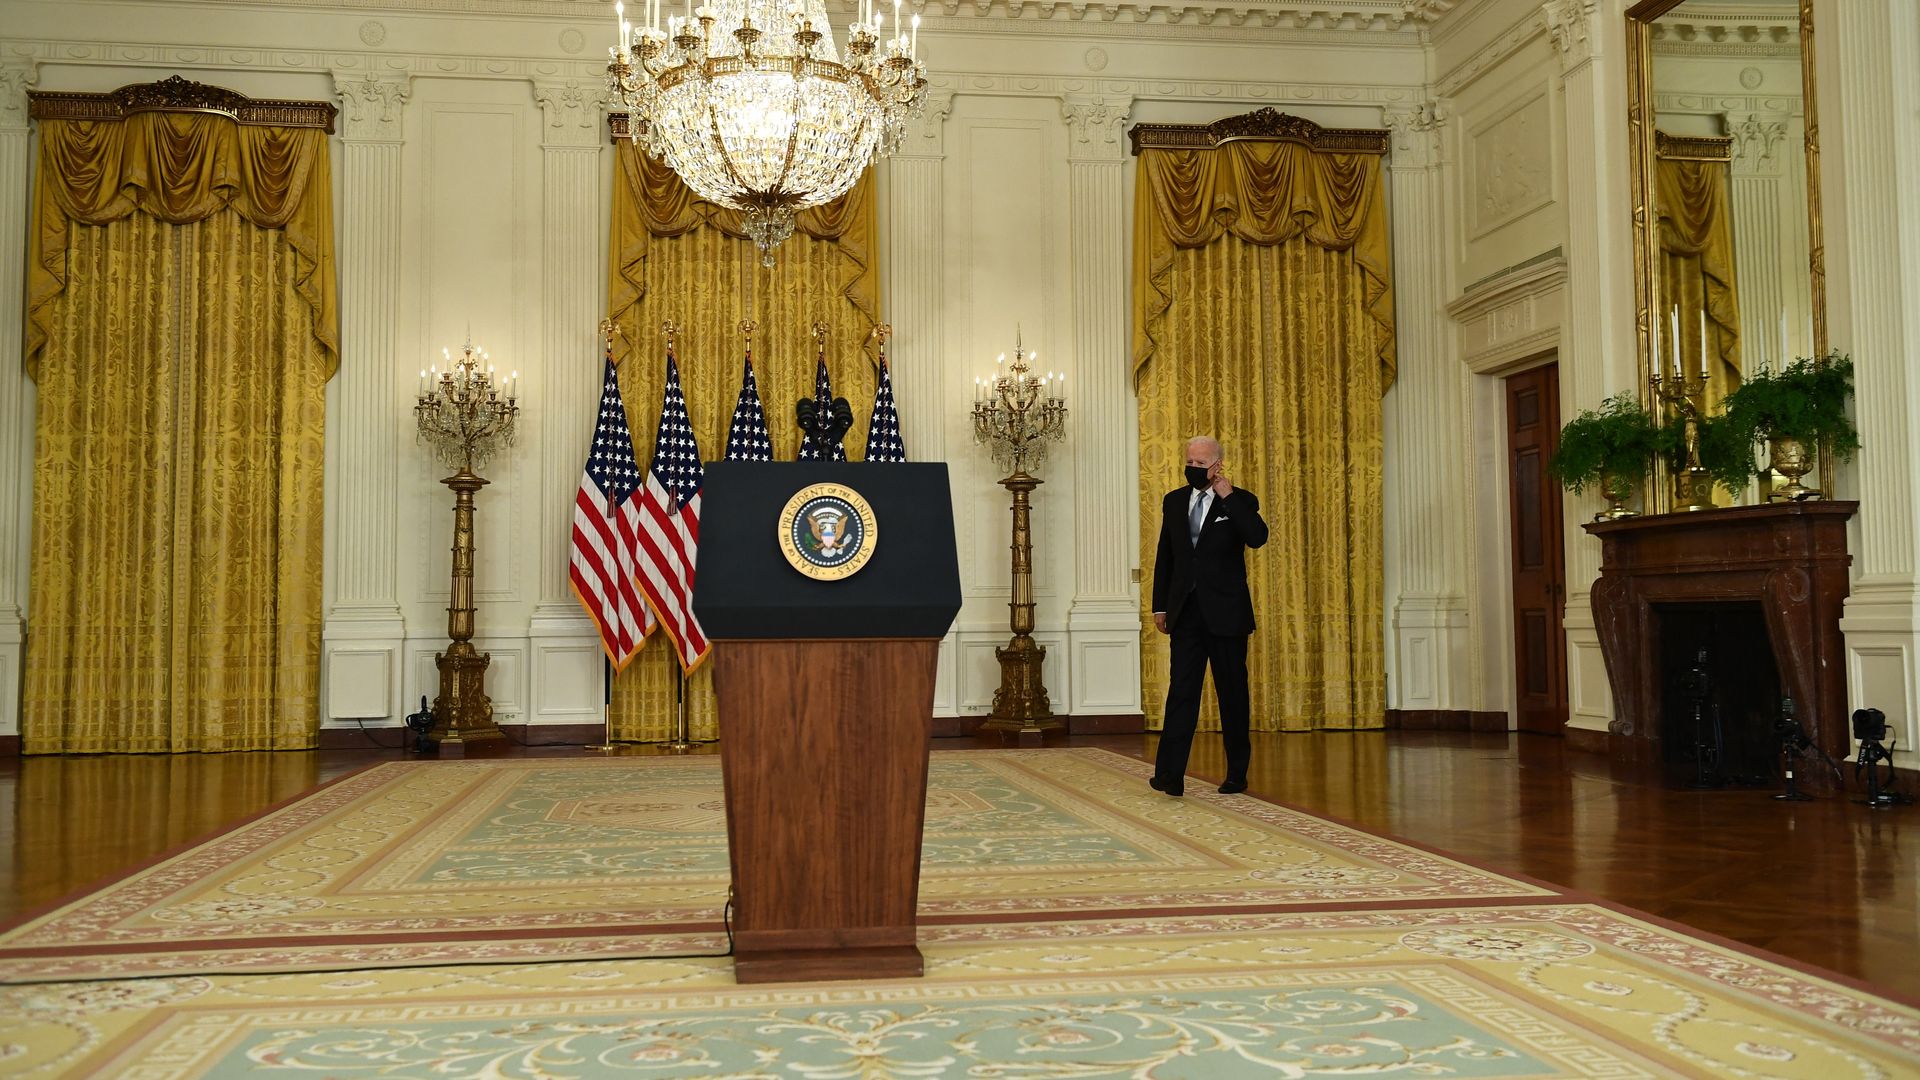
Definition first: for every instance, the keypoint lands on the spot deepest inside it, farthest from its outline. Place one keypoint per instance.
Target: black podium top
(745, 588)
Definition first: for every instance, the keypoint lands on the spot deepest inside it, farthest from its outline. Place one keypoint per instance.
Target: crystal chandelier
(750, 103)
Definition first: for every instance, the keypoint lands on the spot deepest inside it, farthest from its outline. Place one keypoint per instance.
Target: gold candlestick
(1692, 487)
(1017, 412)
(464, 415)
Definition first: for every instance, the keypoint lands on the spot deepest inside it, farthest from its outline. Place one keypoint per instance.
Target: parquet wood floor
(1829, 882)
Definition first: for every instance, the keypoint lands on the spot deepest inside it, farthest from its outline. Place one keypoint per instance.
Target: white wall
(472, 185)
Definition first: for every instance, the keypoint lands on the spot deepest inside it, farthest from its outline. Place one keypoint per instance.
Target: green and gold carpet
(1520, 990)
(453, 862)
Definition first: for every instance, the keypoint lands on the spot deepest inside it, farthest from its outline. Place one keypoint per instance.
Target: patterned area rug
(1521, 990)
(457, 862)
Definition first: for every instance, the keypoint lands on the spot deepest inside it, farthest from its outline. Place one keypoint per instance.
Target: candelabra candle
(1016, 412)
(464, 414)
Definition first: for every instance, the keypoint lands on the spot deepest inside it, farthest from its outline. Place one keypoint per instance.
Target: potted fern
(1610, 448)
(1795, 409)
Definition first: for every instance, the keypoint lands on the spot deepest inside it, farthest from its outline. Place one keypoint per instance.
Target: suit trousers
(1194, 648)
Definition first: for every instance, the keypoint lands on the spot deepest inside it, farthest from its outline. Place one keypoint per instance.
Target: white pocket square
(1222, 517)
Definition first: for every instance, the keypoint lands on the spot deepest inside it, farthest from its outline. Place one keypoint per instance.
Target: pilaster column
(1425, 414)
(926, 394)
(1597, 348)
(1871, 74)
(1769, 214)
(16, 418)
(915, 269)
(565, 652)
(1103, 625)
(365, 629)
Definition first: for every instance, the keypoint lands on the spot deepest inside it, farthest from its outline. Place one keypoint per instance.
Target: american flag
(883, 430)
(606, 527)
(747, 439)
(823, 406)
(670, 525)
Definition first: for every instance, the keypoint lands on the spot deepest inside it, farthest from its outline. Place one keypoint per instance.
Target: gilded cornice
(1692, 147)
(175, 94)
(1262, 124)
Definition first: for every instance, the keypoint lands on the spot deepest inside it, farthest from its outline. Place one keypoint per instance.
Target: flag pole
(681, 733)
(607, 328)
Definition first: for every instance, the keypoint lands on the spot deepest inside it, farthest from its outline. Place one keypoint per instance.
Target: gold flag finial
(820, 339)
(670, 330)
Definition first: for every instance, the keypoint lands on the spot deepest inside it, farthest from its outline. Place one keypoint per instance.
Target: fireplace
(1718, 729)
(1789, 561)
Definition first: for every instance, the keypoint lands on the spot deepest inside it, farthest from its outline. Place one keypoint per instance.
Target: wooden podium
(825, 694)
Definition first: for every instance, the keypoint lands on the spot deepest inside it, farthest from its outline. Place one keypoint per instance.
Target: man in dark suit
(1200, 600)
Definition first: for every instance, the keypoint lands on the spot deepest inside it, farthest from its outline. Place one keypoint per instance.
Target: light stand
(1707, 743)
(1793, 743)
(1870, 727)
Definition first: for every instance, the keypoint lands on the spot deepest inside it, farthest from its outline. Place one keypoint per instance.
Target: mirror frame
(1646, 247)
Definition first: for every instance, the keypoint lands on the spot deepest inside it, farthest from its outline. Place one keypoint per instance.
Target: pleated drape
(676, 257)
(1264, 317)
(1697, 272)
(177, 493)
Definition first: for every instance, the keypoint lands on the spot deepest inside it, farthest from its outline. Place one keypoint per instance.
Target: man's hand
(1221, 486)
(1160, 621)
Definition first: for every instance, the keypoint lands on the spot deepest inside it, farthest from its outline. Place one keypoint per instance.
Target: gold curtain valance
(1264, 193)
(661, 205)
(182, 168)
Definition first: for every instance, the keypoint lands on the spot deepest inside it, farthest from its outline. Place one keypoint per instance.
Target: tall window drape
(181, 330)
(1263, 315)
(1697, 272)
(677, 257)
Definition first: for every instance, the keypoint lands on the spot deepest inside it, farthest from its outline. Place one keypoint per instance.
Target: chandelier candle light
(1017, 411)
(751, 104)
(464, 414)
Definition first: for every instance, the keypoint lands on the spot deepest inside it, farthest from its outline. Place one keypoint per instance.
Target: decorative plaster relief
(373, 32)
(1512, 167)
(372, 106)
(15, 81)
(1095, 126)
(1096, 59)
(1416, 133)
(1570, 25)
(1754, 141)
(573, 111)
(572, 42)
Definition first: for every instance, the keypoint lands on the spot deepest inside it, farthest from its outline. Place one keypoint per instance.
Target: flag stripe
(602, 555)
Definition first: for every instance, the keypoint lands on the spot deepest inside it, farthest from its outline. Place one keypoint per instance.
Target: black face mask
(1197, 476)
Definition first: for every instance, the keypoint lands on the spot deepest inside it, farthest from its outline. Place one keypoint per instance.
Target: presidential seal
(827, 531)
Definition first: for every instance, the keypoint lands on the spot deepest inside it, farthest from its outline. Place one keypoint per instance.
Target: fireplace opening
(1732, 741)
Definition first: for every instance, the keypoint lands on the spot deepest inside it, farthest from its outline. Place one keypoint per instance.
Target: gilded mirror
(1729, 271)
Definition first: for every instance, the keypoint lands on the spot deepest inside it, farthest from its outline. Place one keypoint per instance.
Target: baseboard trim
(1445, 720)
(957, 727)
(399, 738)
(9, 746)
(1588, 741)
(1107, 724)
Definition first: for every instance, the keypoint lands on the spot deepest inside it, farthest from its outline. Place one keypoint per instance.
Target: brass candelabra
(464, 414)
(1017, 412)
(1681, 398)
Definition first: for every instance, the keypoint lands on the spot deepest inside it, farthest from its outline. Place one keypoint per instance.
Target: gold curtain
(181, 168)
(680, 258)
(1264, 316)
(1697, 272)
(181, 329)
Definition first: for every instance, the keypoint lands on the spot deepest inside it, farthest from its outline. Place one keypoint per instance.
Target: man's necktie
(1196, 518)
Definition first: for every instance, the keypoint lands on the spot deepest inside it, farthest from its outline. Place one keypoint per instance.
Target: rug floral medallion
(446, 862)
(1528, 990)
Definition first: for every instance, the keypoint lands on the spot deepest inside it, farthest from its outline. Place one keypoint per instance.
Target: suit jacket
(1212, 573)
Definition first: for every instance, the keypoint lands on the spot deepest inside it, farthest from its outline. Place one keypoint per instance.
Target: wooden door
(1539, 572)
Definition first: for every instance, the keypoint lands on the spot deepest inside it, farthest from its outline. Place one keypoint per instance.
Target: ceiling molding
(1491, 55)
(1232, 94)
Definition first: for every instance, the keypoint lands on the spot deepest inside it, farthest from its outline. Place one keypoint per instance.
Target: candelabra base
(463, 713)
(1021, 711)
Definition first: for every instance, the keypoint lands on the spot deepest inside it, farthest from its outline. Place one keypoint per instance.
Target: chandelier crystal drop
(751, 103)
